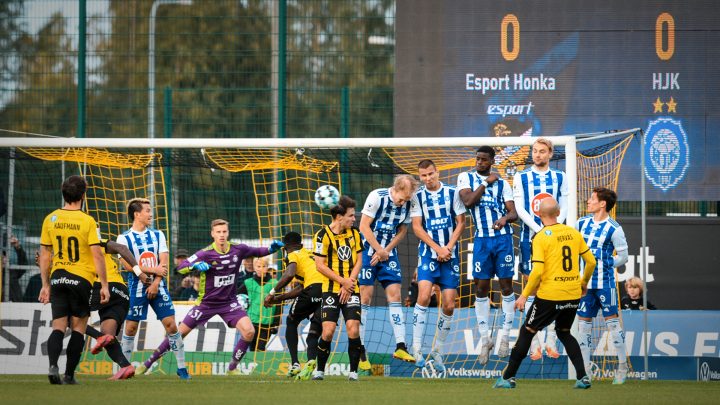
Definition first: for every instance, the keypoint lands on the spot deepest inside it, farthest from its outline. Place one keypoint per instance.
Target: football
(326, 197)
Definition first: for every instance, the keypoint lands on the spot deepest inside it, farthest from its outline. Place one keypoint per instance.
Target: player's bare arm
(44, 262)
(369, 236)
(470, 198)
(443, 252)
(511, 215)
(457, 233)
(384, 253)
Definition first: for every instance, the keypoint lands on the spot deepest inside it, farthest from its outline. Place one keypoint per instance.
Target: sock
(419, 319)
(363, 354)
(508, 308)
(323, 354)
(443, 330)
(397, 320)
(573, 351)
(114, 351)
(74, 351)
(313, 337)
(241, 347)
(54, 346)
(312, 345)
(354, 353)
(291, 338)
(618, 338)
(482, 313)
(92, 332)
(518, 352)
(551, 336)
(128, 343)
(159, 352)
(178, 348)
(585, 336)
(364, 309)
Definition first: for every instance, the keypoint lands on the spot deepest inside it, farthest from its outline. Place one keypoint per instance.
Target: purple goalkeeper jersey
(217, 284)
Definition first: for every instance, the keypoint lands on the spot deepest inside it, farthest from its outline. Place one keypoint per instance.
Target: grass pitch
(35, 389)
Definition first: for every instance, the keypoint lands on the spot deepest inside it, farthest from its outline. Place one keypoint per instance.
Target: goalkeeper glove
(200, 266)
(244, 301)
(275, 246)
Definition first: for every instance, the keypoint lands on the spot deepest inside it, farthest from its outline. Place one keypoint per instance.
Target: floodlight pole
(151, 87)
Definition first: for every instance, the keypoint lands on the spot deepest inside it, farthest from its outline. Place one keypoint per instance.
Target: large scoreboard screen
(551, 67)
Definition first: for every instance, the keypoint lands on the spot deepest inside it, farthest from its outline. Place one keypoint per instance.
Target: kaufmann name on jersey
(603, 238)
(534, 186)
(387, 217)
(438, 210)
(491, 206)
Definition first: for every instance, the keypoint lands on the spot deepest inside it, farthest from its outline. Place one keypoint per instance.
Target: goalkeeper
(217, 291)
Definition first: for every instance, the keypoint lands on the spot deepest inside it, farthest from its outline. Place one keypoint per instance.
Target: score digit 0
(665, 53)
(510, 19)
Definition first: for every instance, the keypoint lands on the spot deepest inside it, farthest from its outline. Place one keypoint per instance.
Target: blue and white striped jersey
(146, 246)
(491, 206)
(387, 217)
(603, 238)
(438, 210)
(529, 188)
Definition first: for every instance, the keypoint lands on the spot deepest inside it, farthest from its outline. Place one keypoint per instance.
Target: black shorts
(307, 303)
(331, 307)
(116, 308)
(69, 295)
(543, 312)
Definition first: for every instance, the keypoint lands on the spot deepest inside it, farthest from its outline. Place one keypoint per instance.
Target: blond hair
(402, 181)
(219, 221)
(635, 282)
(546, 142)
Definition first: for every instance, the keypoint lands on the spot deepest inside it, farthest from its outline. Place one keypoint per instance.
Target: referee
(556, 250)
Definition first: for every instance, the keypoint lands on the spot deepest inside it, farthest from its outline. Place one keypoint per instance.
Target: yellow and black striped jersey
(70, 233)
(305, 270)
(341, 251)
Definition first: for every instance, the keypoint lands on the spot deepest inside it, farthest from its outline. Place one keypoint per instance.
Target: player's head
(634, 287)
(180, 255)
(429, 174)
(220, 231)
(261, 264)
(403, 188)
(484, 159)
(542, 151)
(602, 198)
(549, 210)
(344, 212)
(292, 241)
(138, 210)
(73, 189)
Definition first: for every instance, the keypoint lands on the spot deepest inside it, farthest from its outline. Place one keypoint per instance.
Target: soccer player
(218, 265)
(150, 249)
(530, 186)
(307, 299)
(69, 238)
(438, 220)
(383, 225)
(113, 313)
(603, 235)
(556, 252)
(489, 200)
(337, 249)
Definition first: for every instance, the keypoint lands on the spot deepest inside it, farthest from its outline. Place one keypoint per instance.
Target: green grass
(33, 389)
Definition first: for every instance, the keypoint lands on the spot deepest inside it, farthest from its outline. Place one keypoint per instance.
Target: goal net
(265, 189)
